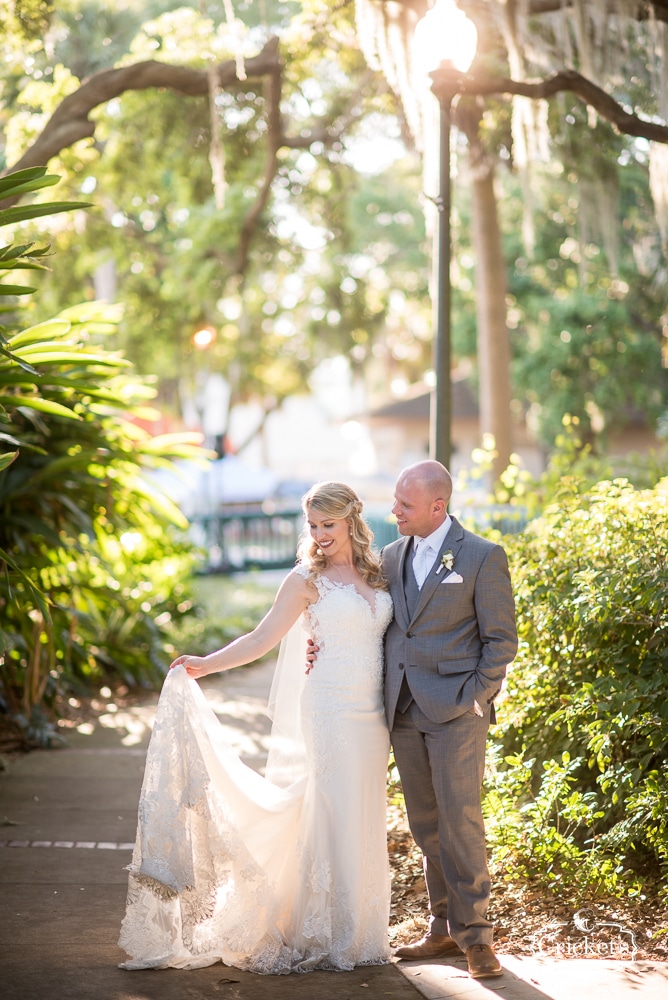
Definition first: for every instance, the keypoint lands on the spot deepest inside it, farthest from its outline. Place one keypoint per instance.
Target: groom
(446, 653)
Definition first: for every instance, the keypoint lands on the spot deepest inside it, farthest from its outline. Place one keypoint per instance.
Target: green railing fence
(237, 541)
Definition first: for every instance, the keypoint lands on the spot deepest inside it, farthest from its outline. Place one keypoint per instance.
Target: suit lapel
(453, 541)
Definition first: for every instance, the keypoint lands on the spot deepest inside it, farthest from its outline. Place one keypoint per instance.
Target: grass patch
(223, 608)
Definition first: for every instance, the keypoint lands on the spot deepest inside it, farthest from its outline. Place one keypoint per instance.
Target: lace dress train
(273, 874)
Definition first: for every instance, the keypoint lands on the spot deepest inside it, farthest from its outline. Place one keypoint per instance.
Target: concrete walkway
(68, 823)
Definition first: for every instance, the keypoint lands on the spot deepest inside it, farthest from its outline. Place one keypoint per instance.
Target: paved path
(68, 822)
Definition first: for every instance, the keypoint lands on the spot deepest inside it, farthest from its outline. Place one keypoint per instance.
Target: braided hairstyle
(340, 502)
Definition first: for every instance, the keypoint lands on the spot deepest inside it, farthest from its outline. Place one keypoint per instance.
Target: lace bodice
(349, 633)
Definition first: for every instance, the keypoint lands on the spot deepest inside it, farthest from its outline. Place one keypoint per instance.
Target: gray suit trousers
(441, 767)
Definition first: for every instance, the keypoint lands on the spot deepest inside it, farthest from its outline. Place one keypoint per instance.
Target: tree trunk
(491, 287)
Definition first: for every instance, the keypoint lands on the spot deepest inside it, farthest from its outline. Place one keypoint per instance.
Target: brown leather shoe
(482, 962)
(430, 946)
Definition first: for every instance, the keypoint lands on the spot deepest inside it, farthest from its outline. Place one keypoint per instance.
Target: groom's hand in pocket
(311, 655)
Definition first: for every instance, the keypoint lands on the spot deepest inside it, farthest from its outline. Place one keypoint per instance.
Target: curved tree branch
(70, 121)
(534, 8)
(607, 107)
(641, 11)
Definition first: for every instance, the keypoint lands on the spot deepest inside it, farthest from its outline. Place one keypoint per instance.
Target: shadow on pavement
(68, 824)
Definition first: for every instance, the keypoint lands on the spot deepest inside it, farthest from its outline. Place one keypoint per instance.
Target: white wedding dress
(282, 873)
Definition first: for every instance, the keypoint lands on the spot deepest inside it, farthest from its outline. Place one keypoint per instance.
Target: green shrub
(584, 716)
(94, 563)
(542, 826)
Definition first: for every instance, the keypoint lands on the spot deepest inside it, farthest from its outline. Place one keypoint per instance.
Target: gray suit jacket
(457, 644)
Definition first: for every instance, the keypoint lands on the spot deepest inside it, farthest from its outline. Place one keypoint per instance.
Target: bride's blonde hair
(340, 502)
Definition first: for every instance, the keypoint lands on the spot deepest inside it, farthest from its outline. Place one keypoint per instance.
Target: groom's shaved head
(421, 498)
(432, 477)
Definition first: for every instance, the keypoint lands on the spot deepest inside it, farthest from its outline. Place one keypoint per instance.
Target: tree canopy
(223, 154)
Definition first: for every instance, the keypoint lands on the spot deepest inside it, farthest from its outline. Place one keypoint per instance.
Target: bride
(286, 872)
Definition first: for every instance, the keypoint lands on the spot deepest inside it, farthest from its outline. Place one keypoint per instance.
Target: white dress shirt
(426, 550)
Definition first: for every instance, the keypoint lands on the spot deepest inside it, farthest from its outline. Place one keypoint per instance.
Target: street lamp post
(440, 445)
(445, 43)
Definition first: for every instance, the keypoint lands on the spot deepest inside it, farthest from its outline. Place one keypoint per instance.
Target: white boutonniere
(447, 562)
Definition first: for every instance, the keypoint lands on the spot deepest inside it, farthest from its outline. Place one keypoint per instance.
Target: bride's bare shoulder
(298, 582)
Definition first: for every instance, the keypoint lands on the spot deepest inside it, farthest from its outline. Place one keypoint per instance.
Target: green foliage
(338, 262)
(584, 718)
(29, 19)
(586, 303)
(542, 826)
(92, 565)
(93, 573)
(27, 256)
(518, 496)
(224, 608)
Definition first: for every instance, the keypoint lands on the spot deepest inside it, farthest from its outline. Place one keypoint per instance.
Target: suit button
(401, 666)
(409, 635)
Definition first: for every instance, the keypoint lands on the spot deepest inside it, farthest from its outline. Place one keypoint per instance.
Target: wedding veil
(286, 762)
